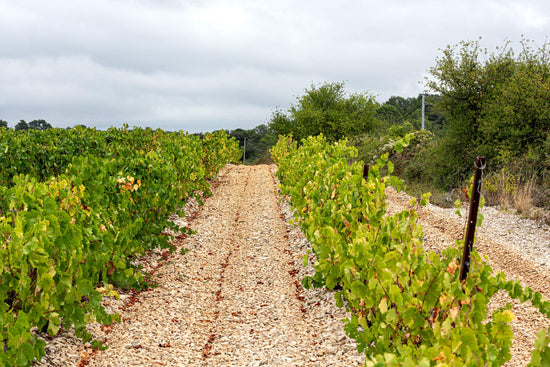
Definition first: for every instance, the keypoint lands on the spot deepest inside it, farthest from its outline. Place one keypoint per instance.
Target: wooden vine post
(472, 218)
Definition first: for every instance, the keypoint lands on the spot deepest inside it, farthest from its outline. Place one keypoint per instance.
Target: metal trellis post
(472, 218)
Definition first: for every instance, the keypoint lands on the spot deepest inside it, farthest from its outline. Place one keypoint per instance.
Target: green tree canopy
(399, 110)
(327, 109)
(21, 125)
(39, 125)
(34, 125)
(258, 142)
(3, 123)
(496, 104)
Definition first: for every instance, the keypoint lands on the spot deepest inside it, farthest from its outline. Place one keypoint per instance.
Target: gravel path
(235, 299)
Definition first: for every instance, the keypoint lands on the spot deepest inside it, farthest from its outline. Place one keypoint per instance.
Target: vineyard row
(408, 306)
(76, 207)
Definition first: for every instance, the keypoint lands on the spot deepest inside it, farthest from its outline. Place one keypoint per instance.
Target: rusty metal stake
(472, 218)
(366, 177)
(365, 171)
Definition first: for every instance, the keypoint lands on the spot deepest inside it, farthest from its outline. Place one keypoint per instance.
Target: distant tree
(39, 125)
(280, 123)
(327, 109)
(397, 110)
(388, 114)
(76, 126)
(403, 105)
(239, 135)
(258, 141)
(3, 123)
(265, 139)
(21, 125)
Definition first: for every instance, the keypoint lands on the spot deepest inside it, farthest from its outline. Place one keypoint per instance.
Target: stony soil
(234, 299)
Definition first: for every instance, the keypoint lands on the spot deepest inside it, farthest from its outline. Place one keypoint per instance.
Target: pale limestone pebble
(182, 310)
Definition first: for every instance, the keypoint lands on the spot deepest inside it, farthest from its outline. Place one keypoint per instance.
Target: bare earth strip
(235, 298)
(518, 247)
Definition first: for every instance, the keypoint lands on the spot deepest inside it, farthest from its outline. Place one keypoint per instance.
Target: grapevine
(76, 207)
(408, 306)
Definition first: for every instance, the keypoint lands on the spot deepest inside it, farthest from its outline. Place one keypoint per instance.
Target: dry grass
(509, 192)
(499, 189)
(523, 198)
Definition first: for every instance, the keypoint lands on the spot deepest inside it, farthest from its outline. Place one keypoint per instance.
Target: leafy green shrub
(398, 131)
(496, 105)
(327, 109)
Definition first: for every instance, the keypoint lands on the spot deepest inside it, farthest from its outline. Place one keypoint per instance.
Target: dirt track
(234, 299)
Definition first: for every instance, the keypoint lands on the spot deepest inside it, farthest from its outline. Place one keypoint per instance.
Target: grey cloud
(203, 65)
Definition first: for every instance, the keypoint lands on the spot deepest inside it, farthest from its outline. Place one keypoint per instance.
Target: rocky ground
(235, 299)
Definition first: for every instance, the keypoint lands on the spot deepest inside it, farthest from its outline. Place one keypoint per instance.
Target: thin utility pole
(244, 149)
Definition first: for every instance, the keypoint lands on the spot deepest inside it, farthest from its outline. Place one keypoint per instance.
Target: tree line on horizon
(328, 109)
(33, 125)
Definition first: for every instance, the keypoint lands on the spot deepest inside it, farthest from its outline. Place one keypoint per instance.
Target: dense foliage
(258, 142)
(76, 207)
(34, 125)
(399, 112)
(327, 109)
(497, 105)
(408, 306)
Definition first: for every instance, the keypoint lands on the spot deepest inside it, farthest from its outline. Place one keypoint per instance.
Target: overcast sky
(205, 65)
